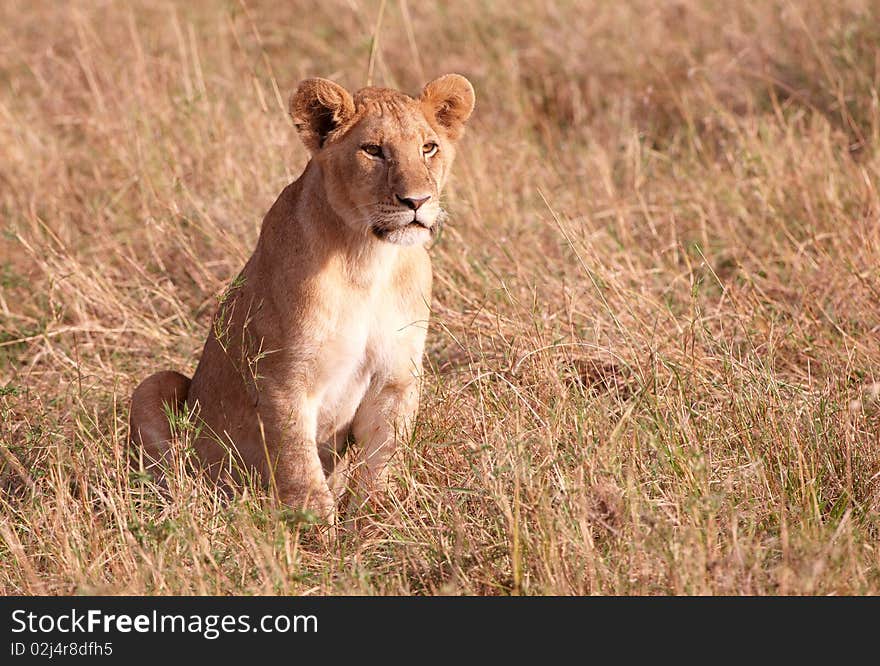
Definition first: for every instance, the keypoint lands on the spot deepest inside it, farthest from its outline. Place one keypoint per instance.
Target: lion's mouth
(384, 232)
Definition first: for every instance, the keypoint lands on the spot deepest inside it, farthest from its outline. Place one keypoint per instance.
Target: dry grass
(655, 347)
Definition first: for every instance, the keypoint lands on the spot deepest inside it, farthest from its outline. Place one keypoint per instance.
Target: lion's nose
(413, 203)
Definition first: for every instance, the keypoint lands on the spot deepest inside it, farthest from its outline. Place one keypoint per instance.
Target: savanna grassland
(653, 364)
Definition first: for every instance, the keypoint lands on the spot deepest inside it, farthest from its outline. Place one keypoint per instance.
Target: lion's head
(384, 156)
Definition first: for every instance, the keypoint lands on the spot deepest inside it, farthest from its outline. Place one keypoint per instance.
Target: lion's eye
(372, 150)
(430, 149)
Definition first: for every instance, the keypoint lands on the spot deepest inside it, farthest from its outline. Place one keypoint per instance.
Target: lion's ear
(450, 100)
(318, 107)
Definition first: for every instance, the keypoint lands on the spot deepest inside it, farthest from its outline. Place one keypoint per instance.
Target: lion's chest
(355, 359)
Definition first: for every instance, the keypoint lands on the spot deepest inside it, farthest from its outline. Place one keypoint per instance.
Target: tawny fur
(319, 339)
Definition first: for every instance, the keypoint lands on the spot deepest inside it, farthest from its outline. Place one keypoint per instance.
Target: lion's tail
(150, 430)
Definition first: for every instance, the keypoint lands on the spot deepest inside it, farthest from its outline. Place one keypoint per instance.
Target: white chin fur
(408, 235)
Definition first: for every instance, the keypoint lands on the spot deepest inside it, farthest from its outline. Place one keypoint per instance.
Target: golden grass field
(653, 364)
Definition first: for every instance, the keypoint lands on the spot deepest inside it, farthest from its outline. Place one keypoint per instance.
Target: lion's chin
(413, 233)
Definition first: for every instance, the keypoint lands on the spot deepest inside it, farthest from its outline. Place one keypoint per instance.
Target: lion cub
(319, 339)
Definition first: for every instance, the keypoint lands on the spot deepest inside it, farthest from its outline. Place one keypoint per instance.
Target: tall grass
(654, 359)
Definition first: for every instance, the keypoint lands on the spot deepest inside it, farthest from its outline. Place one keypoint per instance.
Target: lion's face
(388, 170)
(384, 156)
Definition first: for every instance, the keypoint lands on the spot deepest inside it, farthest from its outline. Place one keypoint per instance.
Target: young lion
(319, 339)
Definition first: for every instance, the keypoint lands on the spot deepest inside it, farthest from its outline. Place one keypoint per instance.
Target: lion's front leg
(295, 469)
(382, 420)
